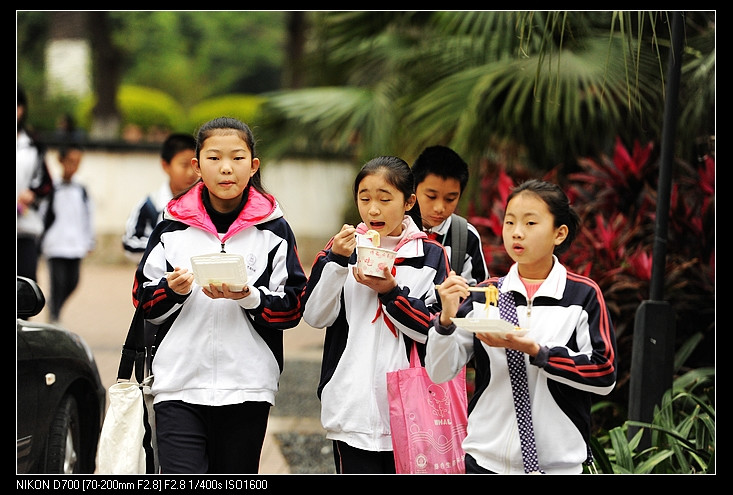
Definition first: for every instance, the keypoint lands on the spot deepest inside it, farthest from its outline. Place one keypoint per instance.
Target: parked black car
(60, 397)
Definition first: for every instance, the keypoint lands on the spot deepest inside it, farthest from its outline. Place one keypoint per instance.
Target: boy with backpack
(175, 158)
(441, 176)
(176, 154)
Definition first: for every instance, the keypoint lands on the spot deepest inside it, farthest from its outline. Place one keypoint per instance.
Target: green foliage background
(173, 61)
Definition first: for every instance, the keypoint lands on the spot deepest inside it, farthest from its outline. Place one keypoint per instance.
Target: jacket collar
(553, 286)
(189, 209)
(410, 232)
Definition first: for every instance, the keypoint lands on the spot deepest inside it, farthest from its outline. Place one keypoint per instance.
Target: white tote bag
(120, 449)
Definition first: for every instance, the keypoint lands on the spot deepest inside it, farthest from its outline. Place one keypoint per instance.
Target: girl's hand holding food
(379, 284)
(224, 293)
(344, 242)
(180, 280)
(452, 291)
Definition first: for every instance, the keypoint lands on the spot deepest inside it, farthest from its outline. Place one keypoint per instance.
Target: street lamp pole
(652, 357)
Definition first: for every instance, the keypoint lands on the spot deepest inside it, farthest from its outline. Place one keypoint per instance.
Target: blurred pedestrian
(176, 154)
(67, 130)
(32, 182)
(68, 229)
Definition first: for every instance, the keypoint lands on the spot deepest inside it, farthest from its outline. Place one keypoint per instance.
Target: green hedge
(152, 108)
(141, 106)
(240, 106)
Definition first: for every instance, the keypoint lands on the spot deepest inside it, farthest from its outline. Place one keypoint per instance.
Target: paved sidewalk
(100, 311)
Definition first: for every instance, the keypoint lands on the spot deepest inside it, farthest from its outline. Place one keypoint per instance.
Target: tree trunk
(107, 58)
(293, 67)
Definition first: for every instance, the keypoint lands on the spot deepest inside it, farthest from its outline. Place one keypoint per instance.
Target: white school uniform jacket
(568, 318)
(30, 173)
(474, 263)
(221, 351)
(70, 234)
(367, 333)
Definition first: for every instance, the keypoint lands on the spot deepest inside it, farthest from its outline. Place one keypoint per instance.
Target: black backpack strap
(49, 216)
(133, 350)
(459, 239)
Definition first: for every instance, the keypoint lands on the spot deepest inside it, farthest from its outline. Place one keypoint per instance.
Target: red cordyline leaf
(504, 186)
(493, 223)
(585, 270)
(496, 225)
(641, 264)
(707, 175)
(674, 196)
(604, 174)
(595, 172)
(573, 195)
(706, 204)
(631, 164)
(611, 274)
(487, 196)
(687, 213)
(677, 202)
(605, 237)
(696, 224)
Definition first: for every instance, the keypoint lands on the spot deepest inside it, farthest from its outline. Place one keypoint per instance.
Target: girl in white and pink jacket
(217, 368)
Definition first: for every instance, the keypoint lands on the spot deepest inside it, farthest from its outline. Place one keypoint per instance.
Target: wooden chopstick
(472, 289)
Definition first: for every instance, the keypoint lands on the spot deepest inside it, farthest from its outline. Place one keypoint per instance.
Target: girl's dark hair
(229, 125)
(397, 173)
(558, 204)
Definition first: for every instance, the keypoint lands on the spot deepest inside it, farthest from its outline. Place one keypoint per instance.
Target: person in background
(66, 130)
(68, 229)
(371, 322)
(176, 154)
(441, 176)
(32, 182)
(217, 369)
(569, 350)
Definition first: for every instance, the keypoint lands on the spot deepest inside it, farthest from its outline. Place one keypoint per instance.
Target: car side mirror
(30, 299)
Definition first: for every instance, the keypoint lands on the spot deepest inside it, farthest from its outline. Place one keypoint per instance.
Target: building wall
(314, 195)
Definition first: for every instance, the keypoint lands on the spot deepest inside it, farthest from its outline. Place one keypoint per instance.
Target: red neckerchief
(387, 321)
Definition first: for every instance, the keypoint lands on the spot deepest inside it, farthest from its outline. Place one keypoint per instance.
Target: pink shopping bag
(428, 420)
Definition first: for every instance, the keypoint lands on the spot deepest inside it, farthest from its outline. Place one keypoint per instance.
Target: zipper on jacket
(529, 307)
(222, 248)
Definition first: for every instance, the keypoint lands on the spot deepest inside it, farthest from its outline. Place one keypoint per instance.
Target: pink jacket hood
(189, 209)
(410, 231)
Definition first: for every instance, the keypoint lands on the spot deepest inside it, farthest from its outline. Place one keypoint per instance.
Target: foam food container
(219, 268)
(372, 260)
